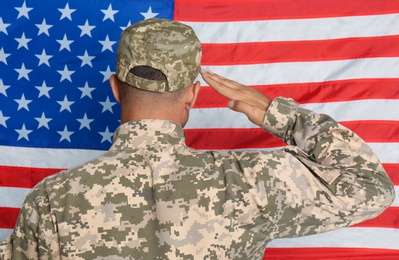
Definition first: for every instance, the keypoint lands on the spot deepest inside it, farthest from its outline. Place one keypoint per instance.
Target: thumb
(254, 114)
(240, 106)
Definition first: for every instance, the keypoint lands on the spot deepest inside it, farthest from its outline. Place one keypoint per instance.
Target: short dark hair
(150, 73)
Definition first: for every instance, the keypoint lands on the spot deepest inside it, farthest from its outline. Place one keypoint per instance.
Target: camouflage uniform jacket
(152, 197)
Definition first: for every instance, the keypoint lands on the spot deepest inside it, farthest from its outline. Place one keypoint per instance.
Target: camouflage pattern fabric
(152, 197)
(169, 46)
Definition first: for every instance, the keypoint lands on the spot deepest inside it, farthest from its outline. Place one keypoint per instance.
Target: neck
(160, 113)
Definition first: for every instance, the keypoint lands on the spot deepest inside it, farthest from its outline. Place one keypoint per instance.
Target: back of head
(145, 100)
(168, 46)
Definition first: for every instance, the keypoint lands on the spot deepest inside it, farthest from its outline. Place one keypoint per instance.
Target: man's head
(169, 46)
(157, 62)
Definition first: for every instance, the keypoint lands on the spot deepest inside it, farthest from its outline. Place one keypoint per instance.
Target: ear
(113, 81)
(193, 94)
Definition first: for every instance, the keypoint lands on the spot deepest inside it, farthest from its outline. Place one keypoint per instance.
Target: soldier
(152, 197)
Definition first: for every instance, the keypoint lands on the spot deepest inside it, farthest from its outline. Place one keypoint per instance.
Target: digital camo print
(169, 46)
(152, 197)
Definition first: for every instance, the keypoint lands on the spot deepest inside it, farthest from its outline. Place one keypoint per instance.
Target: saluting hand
(249, 101)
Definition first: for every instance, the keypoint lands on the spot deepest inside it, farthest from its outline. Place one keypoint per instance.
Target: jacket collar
(148, 133)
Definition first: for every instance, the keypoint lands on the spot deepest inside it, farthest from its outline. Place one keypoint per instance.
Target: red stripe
(331, 91)
(233, 10)
(239, 138)
(330, 254)
(292, 51)
(387, 219)
(227, 138)
(375, 131)
(8, 217)
(23, 177)
(393, 172)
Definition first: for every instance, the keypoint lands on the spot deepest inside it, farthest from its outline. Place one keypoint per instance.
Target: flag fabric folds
(335, 57)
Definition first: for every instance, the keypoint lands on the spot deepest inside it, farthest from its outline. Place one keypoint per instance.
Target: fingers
(220, 80)
(235, 91)
(249, 101)
(222, 85)
(228, 88)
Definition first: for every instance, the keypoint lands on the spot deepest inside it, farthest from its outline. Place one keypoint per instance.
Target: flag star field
(58, 62)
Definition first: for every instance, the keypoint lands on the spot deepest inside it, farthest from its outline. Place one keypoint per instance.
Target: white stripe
(204, 118)
(341, 111)
(12, 197)
(395, 203)
(386, 152)
(384, 238)
(296, 29)
(374, 109)
(45, 157)
(4, 233)
(307, 72)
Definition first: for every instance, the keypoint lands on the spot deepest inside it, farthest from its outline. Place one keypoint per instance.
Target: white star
(86, 59)
(23, 41)
(65, 104)
(23, 11)
(107, 44)
(66, 74)
(85, 122)
(65, 134)
(44, 90)
(66, 12)
(109, 13)
(43, 27)
(107, 135)
(3, 119)
(43, 58)
(23, 72)
(107, 105)
(86, 91)
(128, 24)
(43, 121)
(86, 29)
(107, 74)
(23, 103)
(3, 88)
(23, 133)
(149, 14)
(3, 26)
(3, 56)
(65, 43)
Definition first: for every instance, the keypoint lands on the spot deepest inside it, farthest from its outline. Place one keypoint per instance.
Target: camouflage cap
(166, 45)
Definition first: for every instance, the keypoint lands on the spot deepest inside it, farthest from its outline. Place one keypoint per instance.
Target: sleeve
(6, 249)
(35, 236)
(327, 176)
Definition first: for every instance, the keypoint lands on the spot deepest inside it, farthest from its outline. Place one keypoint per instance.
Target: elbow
(389, 196)
(381, 194)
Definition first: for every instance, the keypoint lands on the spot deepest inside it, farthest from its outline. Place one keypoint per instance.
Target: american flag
(333, 56)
